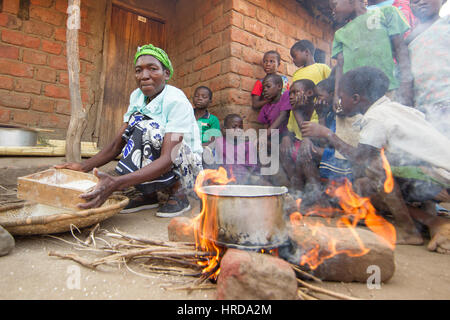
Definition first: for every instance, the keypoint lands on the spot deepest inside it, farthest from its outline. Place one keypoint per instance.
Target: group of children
(333, 124)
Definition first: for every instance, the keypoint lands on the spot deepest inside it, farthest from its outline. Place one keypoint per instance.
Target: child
(235, 153)
(402, 5)
(372, 38)
(302, 53)
(271, 63)
(208, 123)
(274, 114)
(330, 167)
(418, 155)
(429, 45)
(298, 151)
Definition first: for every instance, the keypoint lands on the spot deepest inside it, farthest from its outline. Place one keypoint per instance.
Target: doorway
(128, 31)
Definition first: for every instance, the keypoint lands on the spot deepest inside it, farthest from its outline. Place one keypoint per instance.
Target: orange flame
(354, 210)
(389, 182)
(205, 223)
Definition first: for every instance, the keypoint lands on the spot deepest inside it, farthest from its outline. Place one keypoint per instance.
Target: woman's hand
(313, 129)
(105, 187)
(70, 165)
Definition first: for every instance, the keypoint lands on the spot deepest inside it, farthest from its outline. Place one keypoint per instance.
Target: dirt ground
(29, 273)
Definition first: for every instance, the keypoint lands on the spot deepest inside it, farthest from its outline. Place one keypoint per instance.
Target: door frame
(106, 31)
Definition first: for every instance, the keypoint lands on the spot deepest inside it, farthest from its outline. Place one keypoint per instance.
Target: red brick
(10, 21)
(63, 107)
(241, 36)
(38, 28)
(42, 3)
(286, 28)
(25, 117)
(230, 80)
(86, 54)
(9, 52)
(259, 3)
(53, 91)
(34, 57)
(45, 74)
(20, 39)
(5, 115)
(236, 96)
(219, 54)
(47, 15)
(58, 62)
(61, 6)
(43, 104)
(243, 7)
(201, 62)
(255, 27)
(54, 121)
(13, 100)
(210, 44)
(212, 15)
(247, 83)
(28, 86)
(265, 17)
(11, 6)
(252, 56)
(18, 69)
(276, 8)
(51, 47)
(237, 66)
(202, 34)
(211, 71)
(60, 34)
(6, 83)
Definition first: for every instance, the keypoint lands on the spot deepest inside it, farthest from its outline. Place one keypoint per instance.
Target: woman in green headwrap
(159, 139)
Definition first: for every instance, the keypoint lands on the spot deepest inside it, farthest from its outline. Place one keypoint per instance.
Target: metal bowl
(11, 136)
(247, 216)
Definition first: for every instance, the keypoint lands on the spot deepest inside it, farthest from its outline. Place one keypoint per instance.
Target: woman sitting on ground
(159, 139)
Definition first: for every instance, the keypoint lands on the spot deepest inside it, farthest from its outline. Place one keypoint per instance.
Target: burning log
(249, 275)
(345, 261)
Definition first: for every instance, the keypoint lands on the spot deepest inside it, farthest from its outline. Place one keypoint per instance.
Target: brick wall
(33, 68)
(220, 44)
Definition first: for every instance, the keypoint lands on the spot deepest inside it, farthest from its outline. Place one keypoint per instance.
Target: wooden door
(128, 31)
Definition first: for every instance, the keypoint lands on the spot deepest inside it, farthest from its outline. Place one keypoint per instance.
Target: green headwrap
(156, 52)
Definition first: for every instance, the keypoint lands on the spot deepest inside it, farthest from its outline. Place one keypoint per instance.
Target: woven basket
(59, 222)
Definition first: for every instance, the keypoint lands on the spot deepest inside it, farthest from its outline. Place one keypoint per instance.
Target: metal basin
(248, 217)
(11, 136)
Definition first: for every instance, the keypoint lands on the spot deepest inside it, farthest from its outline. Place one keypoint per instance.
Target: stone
(342, 267)
(181, 229)
(255, 276)
(7, 242)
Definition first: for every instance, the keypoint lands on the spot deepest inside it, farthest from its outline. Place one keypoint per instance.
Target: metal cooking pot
(18, 137)
(248, 217)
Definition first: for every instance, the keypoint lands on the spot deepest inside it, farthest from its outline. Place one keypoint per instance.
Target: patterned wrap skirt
(144, 137)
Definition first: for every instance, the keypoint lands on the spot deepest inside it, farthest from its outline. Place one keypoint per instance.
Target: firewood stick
(325, 291)
(306, 274)
(73, 257)
(153, 242)
(192, 287)
(183, 262)
(305, 296)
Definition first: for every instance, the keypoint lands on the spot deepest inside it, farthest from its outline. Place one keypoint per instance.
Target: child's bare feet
(440, 236)
(408, 237)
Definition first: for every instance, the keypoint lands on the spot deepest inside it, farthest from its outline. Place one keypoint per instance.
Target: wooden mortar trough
(59, 188)
(32, 218)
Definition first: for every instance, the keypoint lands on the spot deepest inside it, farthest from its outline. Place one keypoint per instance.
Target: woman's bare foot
(440, 236)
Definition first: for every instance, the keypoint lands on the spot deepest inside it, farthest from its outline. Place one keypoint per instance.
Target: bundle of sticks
(152, 256)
